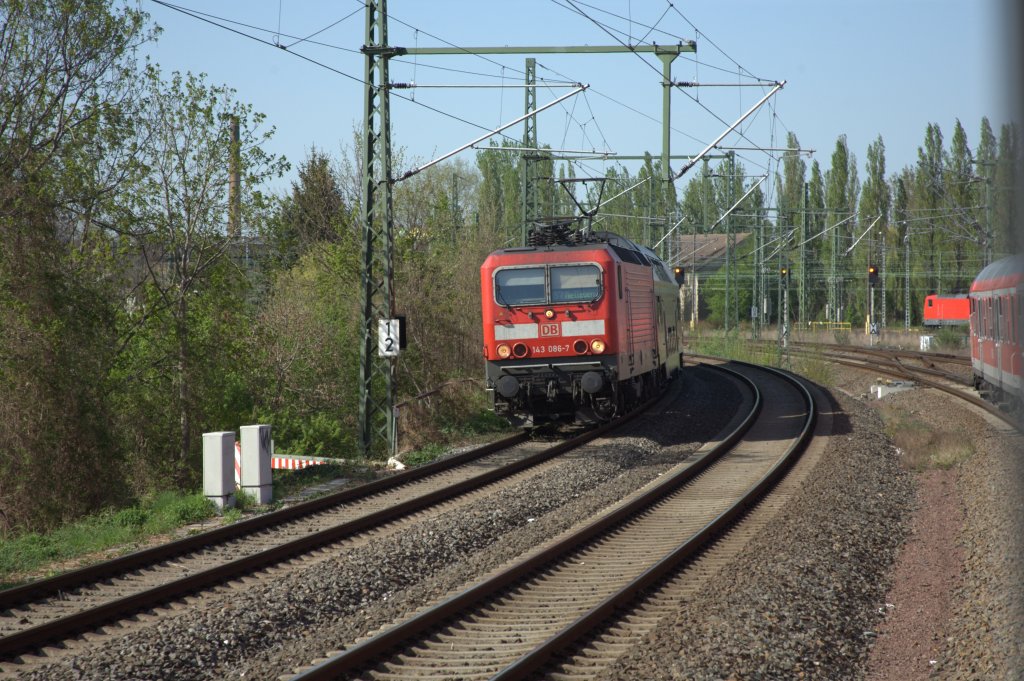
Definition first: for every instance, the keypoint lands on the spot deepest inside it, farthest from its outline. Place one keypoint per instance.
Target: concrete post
(219, 468)
(256, 462)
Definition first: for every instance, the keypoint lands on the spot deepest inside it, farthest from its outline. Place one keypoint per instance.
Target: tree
(66, 94)
(928, 189)
(986, 157)
(791, 184)
(176, 217)
(840, 210)
(1006, 178)
(901, 228)
(314, 213)
(875, 201)
(964, 232)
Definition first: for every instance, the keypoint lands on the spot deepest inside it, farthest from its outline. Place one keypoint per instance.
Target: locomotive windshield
(547, 285)
(575, 283)
(519, 286)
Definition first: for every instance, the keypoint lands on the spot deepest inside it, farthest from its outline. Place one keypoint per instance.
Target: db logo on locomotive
(547, 330)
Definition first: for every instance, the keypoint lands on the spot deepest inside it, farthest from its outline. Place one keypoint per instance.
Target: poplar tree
(839, 212)
(928, 194)
(964, 233)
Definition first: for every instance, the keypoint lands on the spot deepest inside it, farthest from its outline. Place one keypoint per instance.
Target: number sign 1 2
(387, 337)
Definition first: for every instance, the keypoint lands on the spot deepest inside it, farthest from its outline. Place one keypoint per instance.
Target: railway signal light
(872, 274)
(784, 272)
(680, 275)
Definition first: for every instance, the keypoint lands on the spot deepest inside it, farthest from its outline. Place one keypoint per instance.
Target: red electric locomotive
(946, 310)
(997, 311)
(578, 326)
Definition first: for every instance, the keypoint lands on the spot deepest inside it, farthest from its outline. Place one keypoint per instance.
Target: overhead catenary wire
(572, 5)
(419, 169)
(863, 234)
(206, 18)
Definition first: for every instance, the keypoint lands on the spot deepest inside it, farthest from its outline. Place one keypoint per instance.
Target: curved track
(554, 600)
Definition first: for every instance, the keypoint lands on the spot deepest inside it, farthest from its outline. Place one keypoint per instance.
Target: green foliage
(951, 338)
(244, 501)
(64, 96)
(131, 517)
(318, 433)
(731, 345)
(424, 455)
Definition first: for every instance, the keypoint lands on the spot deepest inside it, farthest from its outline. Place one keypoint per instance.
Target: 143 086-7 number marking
(547, 349)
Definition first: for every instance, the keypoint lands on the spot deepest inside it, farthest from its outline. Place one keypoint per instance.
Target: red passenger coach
(997, 311)
(577, 327)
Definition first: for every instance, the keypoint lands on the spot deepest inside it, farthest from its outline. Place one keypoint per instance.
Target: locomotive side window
(519, 286)
(575, 283)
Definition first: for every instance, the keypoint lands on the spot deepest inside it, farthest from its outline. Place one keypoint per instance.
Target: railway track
(43, 620)
(927, 364)
(892, 363)
(563, 610)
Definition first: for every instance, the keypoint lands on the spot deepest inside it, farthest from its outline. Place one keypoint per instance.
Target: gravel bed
(983, 637)
(802, 599)
(986, 635)
(271, 628)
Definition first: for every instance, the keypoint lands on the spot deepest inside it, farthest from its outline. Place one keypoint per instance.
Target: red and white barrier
(293, 463)
(284, 462)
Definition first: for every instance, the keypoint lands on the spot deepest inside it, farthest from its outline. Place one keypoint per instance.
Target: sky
(861, 68)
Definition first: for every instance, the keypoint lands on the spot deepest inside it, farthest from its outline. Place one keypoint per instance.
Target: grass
(423, 455)
(923, 446)
(127, 528)
(732, 346)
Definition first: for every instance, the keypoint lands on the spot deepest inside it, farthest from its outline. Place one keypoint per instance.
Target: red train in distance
(577, 327)
(996, 315)
(946, 310)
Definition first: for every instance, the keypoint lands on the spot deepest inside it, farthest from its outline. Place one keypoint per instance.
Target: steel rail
(374, 648)
(35, 637)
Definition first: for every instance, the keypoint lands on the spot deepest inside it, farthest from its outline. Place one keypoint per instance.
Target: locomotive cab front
(547, 335)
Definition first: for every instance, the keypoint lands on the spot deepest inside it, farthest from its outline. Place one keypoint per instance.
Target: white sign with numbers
(387, 337)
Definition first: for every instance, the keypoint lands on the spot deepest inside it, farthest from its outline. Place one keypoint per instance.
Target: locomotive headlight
(504, 351)
(597, 345)
(519, 349)
(549, 314)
